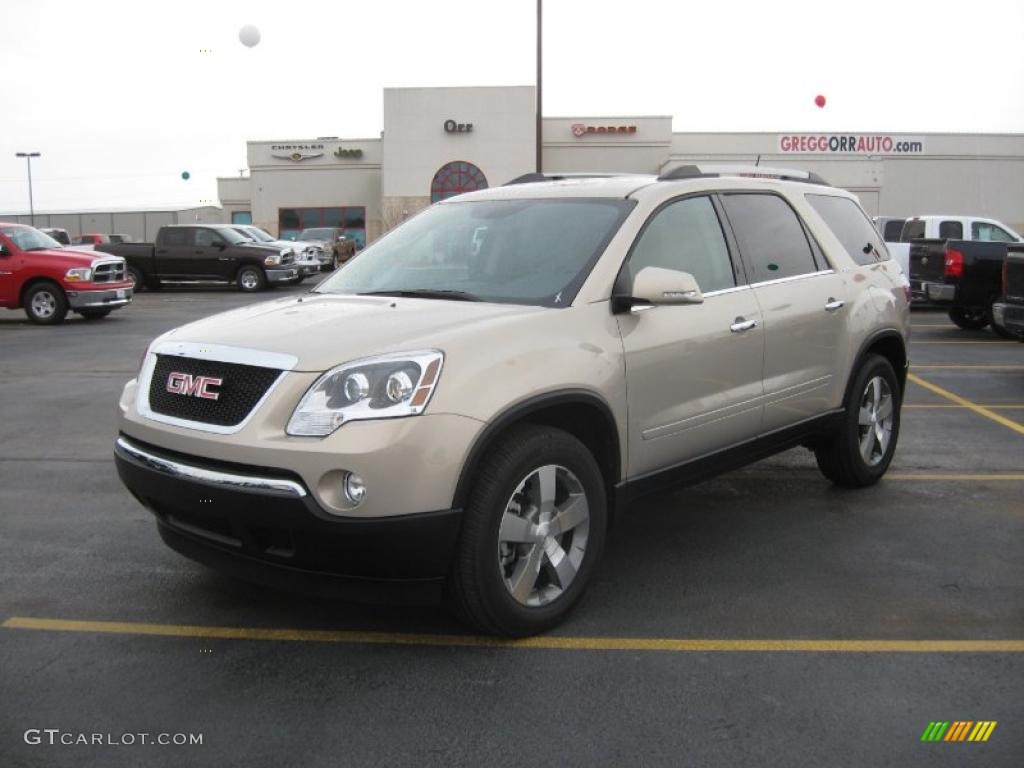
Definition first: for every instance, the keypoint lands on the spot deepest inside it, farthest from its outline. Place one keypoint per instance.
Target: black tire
(839, 455)
(45, 304)
(251, 279)
(94, 314)
(477, 589)
(970, 319)
(137, 279)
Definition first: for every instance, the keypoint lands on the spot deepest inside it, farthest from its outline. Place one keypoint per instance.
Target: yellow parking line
(546, 643)
(993, 406)
(958, 478)
(978, 409)
(966, 366)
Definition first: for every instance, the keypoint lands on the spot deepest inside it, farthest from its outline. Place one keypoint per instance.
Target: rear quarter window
(892, 230)
(851, 227)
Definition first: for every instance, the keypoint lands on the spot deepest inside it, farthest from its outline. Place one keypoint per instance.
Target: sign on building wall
(849, 144)
(582, 129)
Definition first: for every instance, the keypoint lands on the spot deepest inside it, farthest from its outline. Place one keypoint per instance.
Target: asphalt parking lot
(762, 618)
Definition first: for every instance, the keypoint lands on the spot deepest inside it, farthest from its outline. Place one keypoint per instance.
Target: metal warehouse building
(140, 225)
(438, 142)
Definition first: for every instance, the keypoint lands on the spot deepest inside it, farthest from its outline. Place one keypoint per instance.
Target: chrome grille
(108, 272)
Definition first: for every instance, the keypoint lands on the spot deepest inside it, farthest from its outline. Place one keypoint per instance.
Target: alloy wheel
(875, 421)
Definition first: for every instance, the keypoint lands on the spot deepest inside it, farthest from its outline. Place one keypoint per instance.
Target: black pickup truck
(1008, 312)
(963, 275)
(212, 254)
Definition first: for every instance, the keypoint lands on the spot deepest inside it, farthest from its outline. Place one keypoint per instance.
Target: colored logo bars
(959, 730)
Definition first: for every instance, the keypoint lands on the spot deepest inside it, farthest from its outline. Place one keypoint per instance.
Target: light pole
(31, 205)
(540, 100)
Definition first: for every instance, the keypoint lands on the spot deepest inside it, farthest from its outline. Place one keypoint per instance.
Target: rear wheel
(94, 314)
(46, 304)
(860, 450)
(533, 532)
(969, 318)
(251, 279)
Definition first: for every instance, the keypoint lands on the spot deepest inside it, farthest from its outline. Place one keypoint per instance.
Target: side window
(174, 236)
(770, 236)
(912, 230)
(892, 230)
(951, 230)
(205, 238)
(850, 226)
(686, 236)
(983, 230)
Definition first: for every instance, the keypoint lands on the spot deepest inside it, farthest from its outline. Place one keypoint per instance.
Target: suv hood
(323, 330)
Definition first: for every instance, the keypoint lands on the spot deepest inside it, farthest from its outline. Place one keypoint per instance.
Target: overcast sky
(121, 97)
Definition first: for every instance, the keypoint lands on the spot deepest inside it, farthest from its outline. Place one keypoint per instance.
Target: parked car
(332, 239)
(47, 280)
(945, 228)
(1008, 312)
(89, 242)
(60, 235)
(308, 256)
(528, 358)
(211, 254)
(965, 276)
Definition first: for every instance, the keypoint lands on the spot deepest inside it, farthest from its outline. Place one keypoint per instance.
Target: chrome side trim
(793, 278)
(229, 480)
(218, 353)
(725, 291)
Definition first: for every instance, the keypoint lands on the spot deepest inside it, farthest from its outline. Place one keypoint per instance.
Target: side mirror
(653, 286)
(3, 250)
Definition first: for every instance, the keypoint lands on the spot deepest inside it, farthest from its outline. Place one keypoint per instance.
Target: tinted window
(850, 226)
(982, 230)
(686, 236)
(951, 230)
(912, 230)
(206, 237)
(174, 236)
(893, 227)
(771, 237)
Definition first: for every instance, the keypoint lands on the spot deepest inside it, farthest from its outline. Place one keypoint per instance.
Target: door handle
(833, 304)
(741, 325)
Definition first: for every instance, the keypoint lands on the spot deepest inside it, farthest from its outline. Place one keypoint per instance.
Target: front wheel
(251, 279)
(860, 450)
(46, 304)
(137, 280)
(533, 532)
(969, 318)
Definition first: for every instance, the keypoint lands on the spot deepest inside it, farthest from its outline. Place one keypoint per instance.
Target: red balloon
(819, 100)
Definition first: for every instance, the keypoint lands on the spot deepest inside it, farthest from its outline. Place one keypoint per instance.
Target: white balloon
(249, 35)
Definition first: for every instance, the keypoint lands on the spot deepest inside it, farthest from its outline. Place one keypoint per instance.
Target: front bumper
(106, 298)
(281, 274)
(264, 525)
(308, 268)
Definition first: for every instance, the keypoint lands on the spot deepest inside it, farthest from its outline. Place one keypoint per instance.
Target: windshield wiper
(426, 293)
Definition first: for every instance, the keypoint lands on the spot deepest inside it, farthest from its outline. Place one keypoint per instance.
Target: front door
(693, 371)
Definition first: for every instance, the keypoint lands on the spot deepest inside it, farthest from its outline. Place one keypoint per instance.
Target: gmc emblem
(195, 386)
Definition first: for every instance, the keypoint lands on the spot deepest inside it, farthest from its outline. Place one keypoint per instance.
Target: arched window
(456, 178)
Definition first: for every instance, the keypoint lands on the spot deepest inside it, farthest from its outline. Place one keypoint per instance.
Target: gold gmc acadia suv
(460, 411)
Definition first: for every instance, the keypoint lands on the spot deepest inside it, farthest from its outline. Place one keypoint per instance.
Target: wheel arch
(888, 343)
(581, 413)
(34, 281)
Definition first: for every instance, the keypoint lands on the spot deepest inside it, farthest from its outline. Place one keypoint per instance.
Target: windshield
(516, 251)
(316, 234)
(28, 239)
(256, 234)
(232, 236)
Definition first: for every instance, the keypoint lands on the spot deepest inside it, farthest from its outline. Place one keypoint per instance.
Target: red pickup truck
(46, 279)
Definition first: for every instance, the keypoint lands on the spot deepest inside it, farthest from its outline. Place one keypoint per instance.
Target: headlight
(78, 273)
(374, 388)
(274, 259)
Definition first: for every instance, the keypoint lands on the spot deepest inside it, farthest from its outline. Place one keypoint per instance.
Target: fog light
(355, 488)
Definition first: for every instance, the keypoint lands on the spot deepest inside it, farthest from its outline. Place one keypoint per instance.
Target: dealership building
(438, 142)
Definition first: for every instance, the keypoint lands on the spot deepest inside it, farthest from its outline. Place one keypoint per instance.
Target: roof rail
(528, 178)
(746, 171)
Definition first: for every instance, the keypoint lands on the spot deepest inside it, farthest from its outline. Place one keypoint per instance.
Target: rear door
(173, 252)
(693, 371)
(803, 303)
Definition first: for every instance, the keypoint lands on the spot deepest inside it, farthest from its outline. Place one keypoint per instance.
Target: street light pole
(540, 99)
(31, 204)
